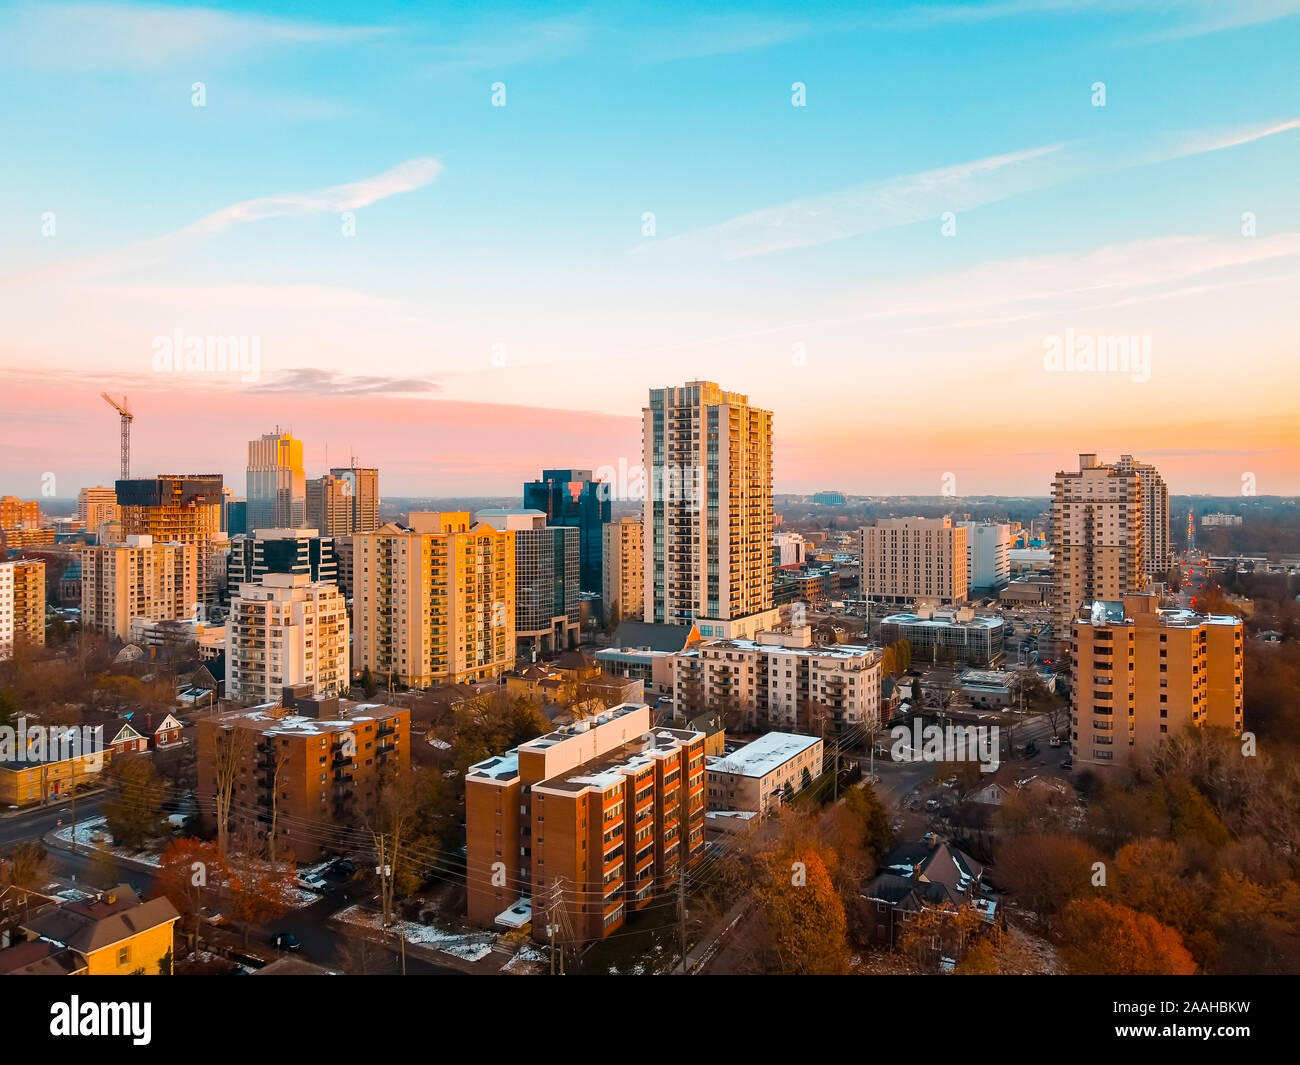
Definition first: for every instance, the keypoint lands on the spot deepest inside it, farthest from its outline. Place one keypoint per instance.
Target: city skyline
(893, 229)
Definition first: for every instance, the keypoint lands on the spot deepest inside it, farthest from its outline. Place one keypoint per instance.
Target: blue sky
(519, 229)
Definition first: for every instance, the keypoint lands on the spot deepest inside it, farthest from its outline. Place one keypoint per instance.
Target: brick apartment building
(581, 826)
(321, 757)
(1140, 674)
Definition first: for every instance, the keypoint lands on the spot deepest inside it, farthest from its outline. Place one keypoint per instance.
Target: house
(122, 737)
(924, 874)
(991, 794)
(167, 733)
(112, 933)
(537, 684)
(18, 904)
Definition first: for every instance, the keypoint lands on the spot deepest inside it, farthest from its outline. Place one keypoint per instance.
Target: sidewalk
(699, 956)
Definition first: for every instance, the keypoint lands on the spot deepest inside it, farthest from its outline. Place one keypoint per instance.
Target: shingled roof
(92, 924)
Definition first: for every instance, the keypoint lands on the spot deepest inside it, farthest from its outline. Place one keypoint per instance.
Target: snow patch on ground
(469, 946)
(91, 834)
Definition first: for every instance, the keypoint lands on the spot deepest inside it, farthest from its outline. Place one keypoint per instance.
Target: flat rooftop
(842, 651)
(978, 622)
(765, 754)
(615, 766)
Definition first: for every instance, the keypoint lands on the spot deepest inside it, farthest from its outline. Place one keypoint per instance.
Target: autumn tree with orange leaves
(1105, 939)
(803, 914)
(191, 876)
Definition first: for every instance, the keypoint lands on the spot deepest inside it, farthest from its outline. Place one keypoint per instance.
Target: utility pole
(681, 908)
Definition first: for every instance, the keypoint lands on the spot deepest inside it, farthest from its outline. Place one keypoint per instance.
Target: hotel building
(905, 559)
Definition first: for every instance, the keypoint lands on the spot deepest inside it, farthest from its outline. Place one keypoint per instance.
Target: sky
(465, 244)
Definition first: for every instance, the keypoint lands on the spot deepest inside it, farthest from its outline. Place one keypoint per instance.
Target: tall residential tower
(707, 511)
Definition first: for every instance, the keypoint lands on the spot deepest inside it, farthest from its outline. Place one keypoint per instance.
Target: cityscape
(528, 551)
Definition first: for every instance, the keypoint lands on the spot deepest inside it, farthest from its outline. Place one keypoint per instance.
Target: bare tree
(231, 745)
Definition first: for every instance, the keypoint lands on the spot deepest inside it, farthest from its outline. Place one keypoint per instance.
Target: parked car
(286, 941)
(344, 866)
(1068, 764)
(214, 918)
(1055, 741)
(312, 881)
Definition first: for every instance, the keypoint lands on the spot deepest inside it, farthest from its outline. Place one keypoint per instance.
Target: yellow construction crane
(127, 417)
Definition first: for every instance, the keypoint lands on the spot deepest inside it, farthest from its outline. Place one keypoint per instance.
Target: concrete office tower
(138, 579)
(708, 511)
(1142, 674)
(433, 603)
(344, 501)
(180, 509)
(22, 604)
(266, 551)
(276, 485)
(1097, 539)
(1157, 551)
(284, 631)
(546, 581)
(98, 506)
(988, 555)
(573, 499)
(905, 559)
(624, 591)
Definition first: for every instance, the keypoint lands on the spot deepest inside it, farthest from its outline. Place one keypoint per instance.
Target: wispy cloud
(1034, 286)
(715, 35)
(310, 381)
(926, 195)
(98, 37)
(503, 43)
(1187, 18)
(875, 205)
(406, 177)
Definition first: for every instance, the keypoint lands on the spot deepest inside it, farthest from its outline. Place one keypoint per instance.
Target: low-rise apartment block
(770, 682)
(760, 776)
(578, 828)
(313, 766)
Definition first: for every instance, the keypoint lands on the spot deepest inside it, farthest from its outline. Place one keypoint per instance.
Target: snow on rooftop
(765, 754)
